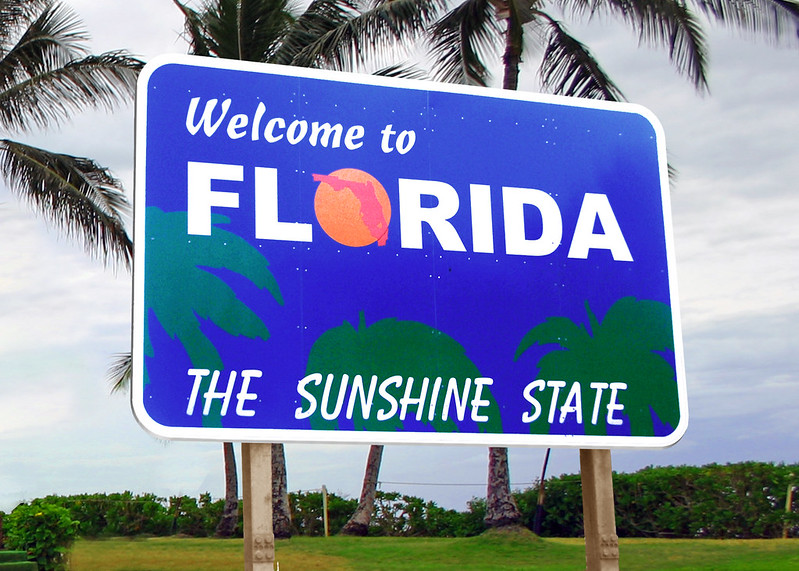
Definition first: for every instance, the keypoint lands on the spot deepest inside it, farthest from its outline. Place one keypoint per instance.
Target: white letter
(198, 377)
(407, 400)
(597, 206)
(384, 414)
(352, 138)
(412, 214)
(477, 402)
(557, 385)
(256, 122)
(269, 130)
(211, 393)
(613, 405)
(385, 144)
(460, 405)
(482, 220)
(528, 396)
(325, 129)
(366, 399)
(406, 141)
(236, 122)
(516, 242)
(431, 410)
(205, 120)
(314, 378)
(598, 387)
(292, 135)
(574, 403)
(342, 390)
(243, 395)
(201, 198)
(267, 226)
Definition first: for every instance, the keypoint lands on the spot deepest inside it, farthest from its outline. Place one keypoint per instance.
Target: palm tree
(471, 32)
(179, 312)
(378, 352)
(474, 29)
(624, 347)
(47, 74)
(281, 510)
(336, 34)
(358, 524)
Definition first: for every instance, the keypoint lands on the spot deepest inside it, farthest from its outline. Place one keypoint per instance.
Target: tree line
(733, 501)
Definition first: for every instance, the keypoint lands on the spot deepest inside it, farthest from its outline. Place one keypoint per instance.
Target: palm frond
(637, 325)
(558, 330)
(461, 39)
(672, 24)
(76, 194)
(120, 372)
(15, 12)
(194, 30)
(569, 68)
(51, 96)
(262, 26)
(778, 19)
(47, 40)
(246, 29)
(406, 71)
(320, 18)
(353, 36)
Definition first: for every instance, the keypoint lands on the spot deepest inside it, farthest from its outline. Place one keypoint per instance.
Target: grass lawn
(485, 553)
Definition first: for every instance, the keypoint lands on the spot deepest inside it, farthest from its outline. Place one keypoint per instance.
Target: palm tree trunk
(281, 511)
(539, 508)
(230, 514)
(359, 522)
(501, 510)
(513, 52)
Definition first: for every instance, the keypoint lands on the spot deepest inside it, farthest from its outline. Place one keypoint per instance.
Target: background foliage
(45, 531)
(742, 501)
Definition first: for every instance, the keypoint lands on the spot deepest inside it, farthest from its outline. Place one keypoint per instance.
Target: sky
(63, 316)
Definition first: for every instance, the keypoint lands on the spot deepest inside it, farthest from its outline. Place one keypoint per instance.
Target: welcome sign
(341, 258)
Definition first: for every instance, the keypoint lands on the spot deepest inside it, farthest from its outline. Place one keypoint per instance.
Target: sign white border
(377, 437)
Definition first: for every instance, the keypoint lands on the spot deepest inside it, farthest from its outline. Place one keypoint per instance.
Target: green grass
(486, 553)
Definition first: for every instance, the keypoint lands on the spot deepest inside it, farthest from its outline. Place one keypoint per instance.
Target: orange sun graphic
(352, 207)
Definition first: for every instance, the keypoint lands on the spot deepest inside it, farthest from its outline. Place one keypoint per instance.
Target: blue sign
(332, 257)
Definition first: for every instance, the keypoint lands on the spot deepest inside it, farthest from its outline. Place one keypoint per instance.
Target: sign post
(256, 476)
(328, 257)
(599, 519)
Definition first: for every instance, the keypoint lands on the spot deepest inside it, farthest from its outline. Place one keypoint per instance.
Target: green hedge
(128, 514)
(745, 500)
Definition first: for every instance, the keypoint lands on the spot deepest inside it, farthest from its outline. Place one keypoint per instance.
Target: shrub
(744, 500)
(307, 512)
(195, 518)
(45, 531)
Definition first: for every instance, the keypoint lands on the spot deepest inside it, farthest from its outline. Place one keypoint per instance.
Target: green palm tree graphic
(181, 292)
(393, 347)
(624, 347)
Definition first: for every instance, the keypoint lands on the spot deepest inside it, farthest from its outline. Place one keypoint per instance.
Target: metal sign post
(599, 516)
(256, 476)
